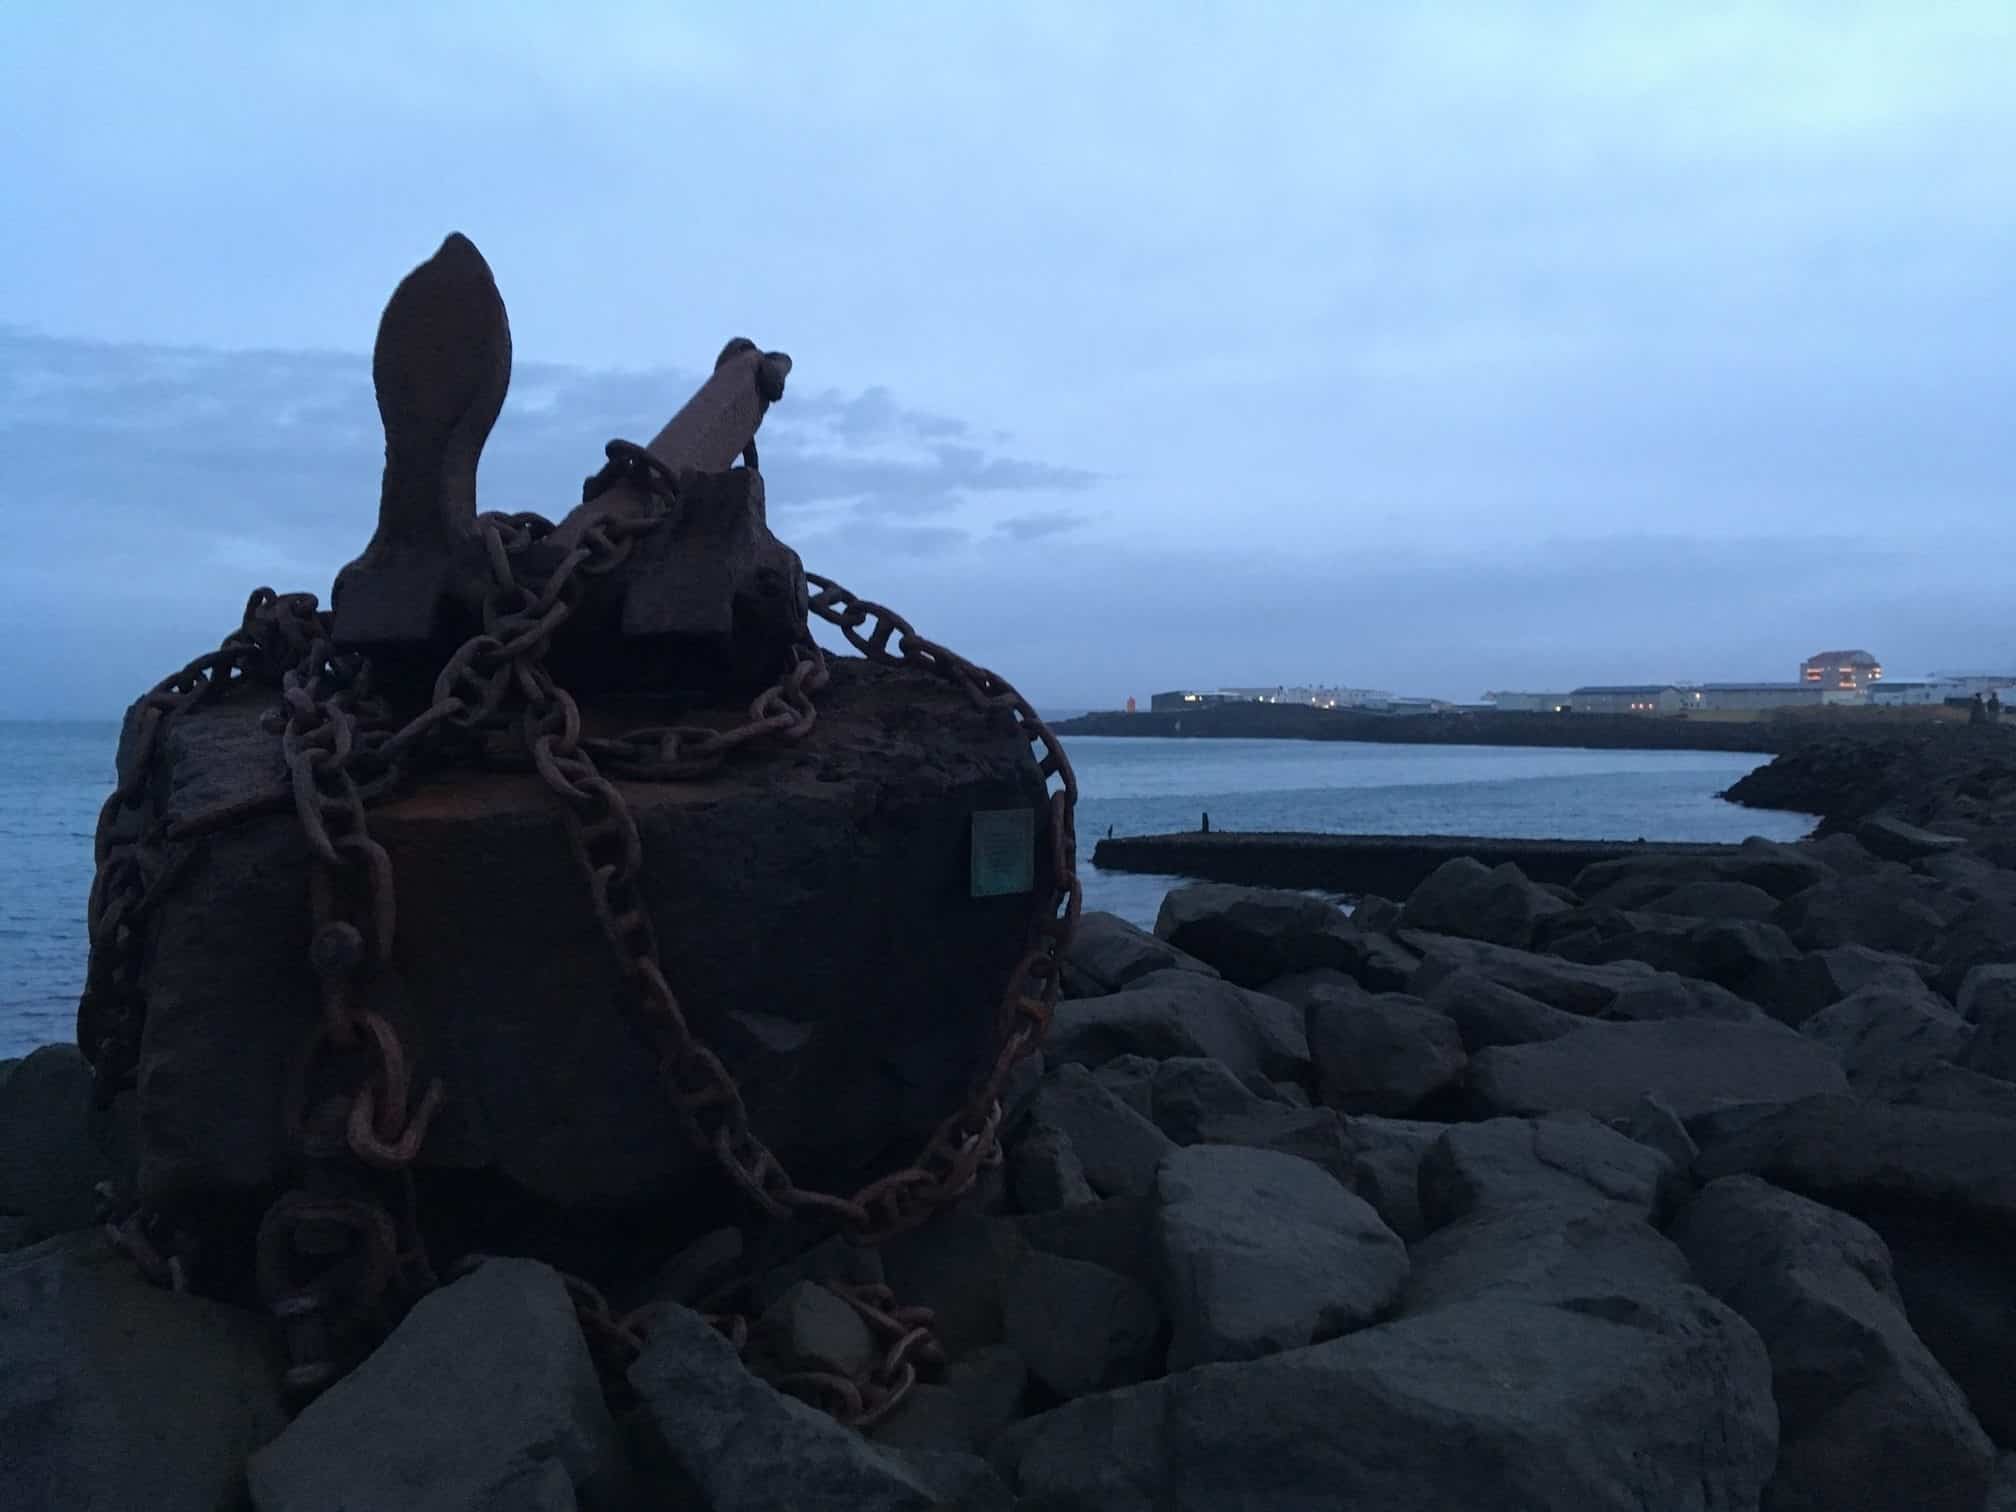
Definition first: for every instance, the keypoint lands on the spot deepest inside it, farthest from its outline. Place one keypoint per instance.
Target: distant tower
(1130, 705)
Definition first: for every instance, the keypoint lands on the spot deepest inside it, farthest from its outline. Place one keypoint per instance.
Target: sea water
(54, 777)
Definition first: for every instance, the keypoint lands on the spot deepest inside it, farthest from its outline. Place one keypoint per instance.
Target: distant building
(1628, 698)
(1178, 701)
(1315, 697)
(1528, 703)
(1841, 669)
(1917, 692)
(1739, 696)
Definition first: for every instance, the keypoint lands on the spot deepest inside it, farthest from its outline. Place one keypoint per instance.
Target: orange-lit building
(1841, 669)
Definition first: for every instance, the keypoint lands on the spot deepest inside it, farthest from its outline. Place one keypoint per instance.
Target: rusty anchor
(707, 604)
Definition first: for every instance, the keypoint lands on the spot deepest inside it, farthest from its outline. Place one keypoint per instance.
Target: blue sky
(1434, 348)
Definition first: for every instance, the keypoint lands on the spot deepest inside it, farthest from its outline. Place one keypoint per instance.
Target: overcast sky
(1433, 348)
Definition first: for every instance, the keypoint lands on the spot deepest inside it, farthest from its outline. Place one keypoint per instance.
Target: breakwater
(1603, 732)
(1389, 865)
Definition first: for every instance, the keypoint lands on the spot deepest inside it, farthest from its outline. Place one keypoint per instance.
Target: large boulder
(1557, 1163)
(1716, 899)
(1632, 881)
(1691, 1065)
(1865, 1155)
(1486, 1013)
(116, 1394)
(1574, 1255)
(1656, 1399)
(812, 900)
(1382, 1053)
(964, 1412)
(1891, 910)
(1260, 1252)
(1107, 953)
(1891, 838)
(1080, 1326)
(1385, 1169)
(1183, 1013)
(1464, 897)
(1867, 1417)
(1988, 1001)
(51, 1160)
(484, 1396)
(1984, 934)
(1882, 1033)
(1117, 1148)
(720, 1440)
(1615, 990)
(1255, 934)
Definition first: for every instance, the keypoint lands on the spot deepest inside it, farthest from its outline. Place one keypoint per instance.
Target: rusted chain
(350, 1104)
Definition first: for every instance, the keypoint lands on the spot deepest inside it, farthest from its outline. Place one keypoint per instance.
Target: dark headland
(1263, 721)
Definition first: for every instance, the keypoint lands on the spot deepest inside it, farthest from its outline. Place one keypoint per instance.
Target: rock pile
(1689, 1187)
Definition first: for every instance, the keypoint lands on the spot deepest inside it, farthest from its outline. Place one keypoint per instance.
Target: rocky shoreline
(1688, 1184)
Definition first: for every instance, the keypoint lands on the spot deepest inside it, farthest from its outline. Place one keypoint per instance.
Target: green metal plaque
(1004, 852)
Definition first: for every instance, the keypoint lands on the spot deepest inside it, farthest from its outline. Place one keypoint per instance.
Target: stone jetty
(1687, 1183)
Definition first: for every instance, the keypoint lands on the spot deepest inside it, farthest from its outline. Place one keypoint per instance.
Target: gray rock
(979, 1397)
(956, 1266)
(1045, 1173)
(1934, 1084)
(1486, 1013)
(1560, 1163)
(1255, 934)
(1988, 999)
(1657, 1127)
(1118, 1148)
(1827, 976)
(1867, 1418)
(2002, 1495)
(482, 1387)
(16, 1233)
(1108, 953)
(1842, 853)
(1689, 1064)
(1613, 990)
(1464, 897)
(1318, 1135)
(1891, 838)
(1131, 1078)
(1376, 914)
(1713, 899)
(1385, 1168)
(1780, 870)
(1381, 1053)
(116, 1394)
(1187, 1095)
(812, 1328)
(1179, 1013)
(1954, 1279)
(1890, 911)
(1983, 935)
(1261, 1252)
(1857, 1154)
(728, 1442)
(1116, 1234)
(1570, 1255)
(832, 1259)
(871, 819)
(1880, 1032)
(1661, 1400)
(1080, 1326)
(50, 1164)
(1987, 992)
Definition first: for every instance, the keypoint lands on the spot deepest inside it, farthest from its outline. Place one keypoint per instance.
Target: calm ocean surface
(53, 777)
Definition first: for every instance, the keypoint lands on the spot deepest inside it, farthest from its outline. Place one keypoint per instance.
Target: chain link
(341, 1254)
